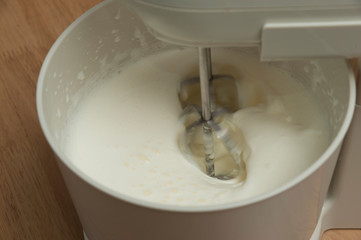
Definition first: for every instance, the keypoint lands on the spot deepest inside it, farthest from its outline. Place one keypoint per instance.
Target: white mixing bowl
(102, 40)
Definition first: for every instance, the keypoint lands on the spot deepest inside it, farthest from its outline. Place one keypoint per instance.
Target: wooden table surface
(34, 203)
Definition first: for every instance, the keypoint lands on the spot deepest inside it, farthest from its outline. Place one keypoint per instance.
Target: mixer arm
(284, 41)
(283, 29)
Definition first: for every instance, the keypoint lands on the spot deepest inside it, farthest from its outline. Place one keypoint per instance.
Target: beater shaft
(205, 75)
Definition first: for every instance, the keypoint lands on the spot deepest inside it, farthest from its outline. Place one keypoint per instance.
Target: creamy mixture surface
(124, 133)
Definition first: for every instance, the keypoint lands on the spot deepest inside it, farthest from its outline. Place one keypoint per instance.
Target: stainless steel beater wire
(205, 75)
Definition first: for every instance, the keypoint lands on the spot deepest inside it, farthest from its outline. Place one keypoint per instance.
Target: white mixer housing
(283, 29)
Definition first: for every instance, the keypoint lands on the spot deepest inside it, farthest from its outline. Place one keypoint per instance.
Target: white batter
(124, 133)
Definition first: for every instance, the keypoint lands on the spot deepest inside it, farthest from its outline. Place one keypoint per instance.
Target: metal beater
(224, 149)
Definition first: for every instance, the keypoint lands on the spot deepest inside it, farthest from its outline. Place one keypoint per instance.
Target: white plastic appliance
(108, 36)
(282, 30)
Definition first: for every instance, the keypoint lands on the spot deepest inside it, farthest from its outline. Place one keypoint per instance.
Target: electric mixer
(283, 29)
(290, 212)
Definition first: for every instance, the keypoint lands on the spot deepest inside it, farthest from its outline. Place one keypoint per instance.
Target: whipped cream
(124, 132)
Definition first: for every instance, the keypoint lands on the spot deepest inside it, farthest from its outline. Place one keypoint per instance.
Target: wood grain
(34, 203)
